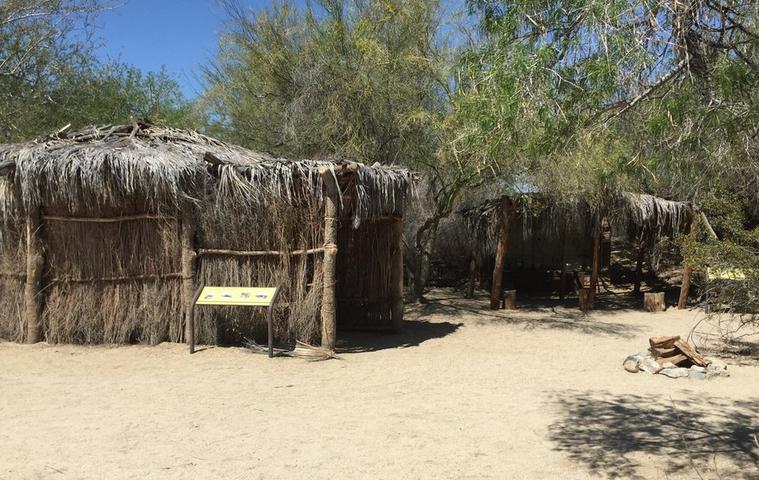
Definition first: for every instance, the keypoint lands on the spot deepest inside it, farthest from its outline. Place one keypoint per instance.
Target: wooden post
(584, 298)
(188, 255)
(329, 266)
(563, 279)
(472, 275)
(639, 263)
(687, 269)
(35, 263)
(596, 260)
(496, 292)
(396, 275)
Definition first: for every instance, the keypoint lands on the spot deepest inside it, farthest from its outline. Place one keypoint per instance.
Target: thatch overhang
(101, 165)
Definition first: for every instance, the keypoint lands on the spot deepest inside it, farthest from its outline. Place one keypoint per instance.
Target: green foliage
(355, 79)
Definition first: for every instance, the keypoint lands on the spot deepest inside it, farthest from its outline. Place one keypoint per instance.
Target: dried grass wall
(12, 278)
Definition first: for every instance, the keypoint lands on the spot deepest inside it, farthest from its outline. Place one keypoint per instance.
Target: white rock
(677, 372)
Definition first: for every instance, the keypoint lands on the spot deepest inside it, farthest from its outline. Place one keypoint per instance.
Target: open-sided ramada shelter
(107, 232)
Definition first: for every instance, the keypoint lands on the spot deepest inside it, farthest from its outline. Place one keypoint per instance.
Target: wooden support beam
(35, 263)
(496, 292)
(639, 263)
(329, 265)
(396, 276)
(188, 256)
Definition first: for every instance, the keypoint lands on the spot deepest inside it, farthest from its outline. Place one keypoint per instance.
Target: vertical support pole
(596, 259)
(472, 275)
(496, 292)
(396, 275)
(563, 279)
(329, 266)
(188, 255)
(687, 269)
(35, 263)
(639, 263)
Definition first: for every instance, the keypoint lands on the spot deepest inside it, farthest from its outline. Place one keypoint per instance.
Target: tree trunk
(688, 270)
(424, 243)
(35, 263)
(496, 292)
(329, 266)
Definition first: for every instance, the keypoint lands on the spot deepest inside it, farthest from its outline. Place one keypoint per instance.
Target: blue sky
(180, 34)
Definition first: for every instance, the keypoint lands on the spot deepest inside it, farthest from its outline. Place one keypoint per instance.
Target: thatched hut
(532, 233)
(106, 233)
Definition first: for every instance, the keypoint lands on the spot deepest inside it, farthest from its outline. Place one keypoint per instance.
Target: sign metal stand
(233, 296)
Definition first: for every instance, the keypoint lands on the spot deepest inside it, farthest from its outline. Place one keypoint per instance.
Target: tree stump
(586, 299)
(654, 302)
(510, 299)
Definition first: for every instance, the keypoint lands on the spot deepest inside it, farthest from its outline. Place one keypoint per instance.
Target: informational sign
(242, 296)
(726, 274)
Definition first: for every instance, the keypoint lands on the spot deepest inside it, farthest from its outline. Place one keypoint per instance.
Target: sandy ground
(463, 393)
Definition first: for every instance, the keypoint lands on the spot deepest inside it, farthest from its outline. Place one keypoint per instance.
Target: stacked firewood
(671, 349)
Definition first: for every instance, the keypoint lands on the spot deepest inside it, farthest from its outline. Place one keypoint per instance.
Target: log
(35, 263)
(585, 299)
(654, 302)
(496, 291)
(396, 276)
(674, 359)
(663, 341)
(510, 299)
(691, 353)
(329, 266)
(256, 253)
(188, 255)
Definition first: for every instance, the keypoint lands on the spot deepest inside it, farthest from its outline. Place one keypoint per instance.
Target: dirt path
(463, 393)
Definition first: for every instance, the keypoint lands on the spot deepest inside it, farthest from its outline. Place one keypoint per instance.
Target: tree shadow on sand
(528, 317)
(413, 333)
(703, 437)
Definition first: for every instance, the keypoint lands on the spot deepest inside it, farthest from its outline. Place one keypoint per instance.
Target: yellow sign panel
(245, 296)
(726, 274)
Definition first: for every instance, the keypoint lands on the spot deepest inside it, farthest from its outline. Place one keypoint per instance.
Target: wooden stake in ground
(188, 255)
(496, 292)
(639, 262)
(35, 263)
(329, 266)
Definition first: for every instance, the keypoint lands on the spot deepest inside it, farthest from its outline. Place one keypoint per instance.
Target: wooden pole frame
(596, 259)
(35, 264)
(329, 265)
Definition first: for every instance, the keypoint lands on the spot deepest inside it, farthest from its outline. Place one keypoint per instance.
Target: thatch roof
(162, 166)
(630, 213)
